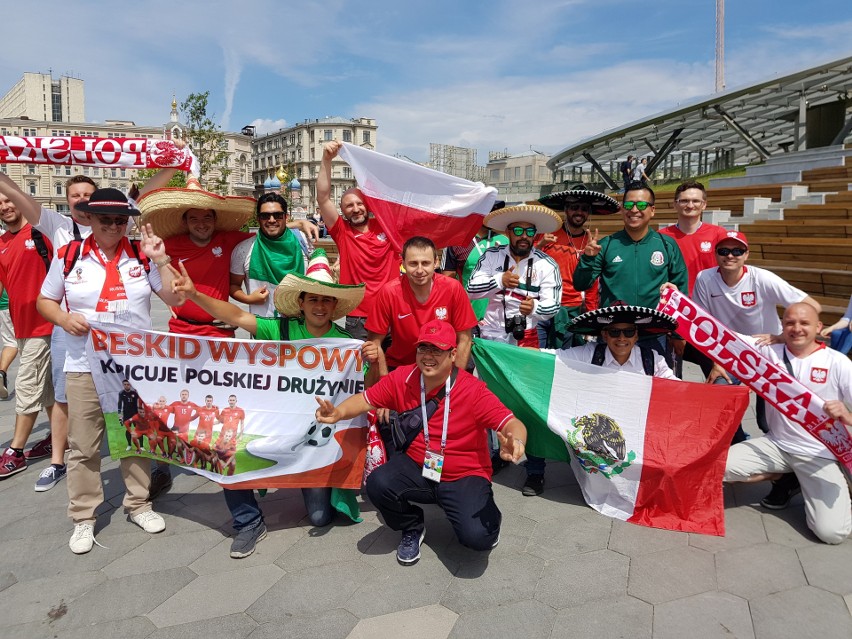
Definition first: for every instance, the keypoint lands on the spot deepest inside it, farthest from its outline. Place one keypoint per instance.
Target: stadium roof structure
(751, 122)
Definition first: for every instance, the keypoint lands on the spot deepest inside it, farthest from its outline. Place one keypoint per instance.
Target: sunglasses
(430, 349)
(278, 215)
(629, 204)
(112, 221)
(736, 252)
(618, 332)
(578, 207)
(520, 230)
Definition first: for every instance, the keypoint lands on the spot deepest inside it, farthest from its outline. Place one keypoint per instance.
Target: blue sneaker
(49, 477)
(408, 552)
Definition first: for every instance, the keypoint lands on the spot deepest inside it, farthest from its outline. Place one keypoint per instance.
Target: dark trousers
(468, 502)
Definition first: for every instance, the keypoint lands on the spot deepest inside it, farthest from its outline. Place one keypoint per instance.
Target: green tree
(207, 141)
(143, 175)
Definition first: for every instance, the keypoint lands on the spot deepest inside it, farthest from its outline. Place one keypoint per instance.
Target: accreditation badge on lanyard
(112, 306)
(433, 463)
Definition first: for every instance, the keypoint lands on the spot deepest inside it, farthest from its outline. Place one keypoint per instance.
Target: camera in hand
(517, 326)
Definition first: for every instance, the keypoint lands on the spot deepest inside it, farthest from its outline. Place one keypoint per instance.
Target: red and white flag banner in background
(774, 384)
(123, 153)
(408, 199)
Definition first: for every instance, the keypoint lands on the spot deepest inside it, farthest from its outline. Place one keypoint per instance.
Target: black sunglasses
(736, 252)
(618, 332)
(278, 215)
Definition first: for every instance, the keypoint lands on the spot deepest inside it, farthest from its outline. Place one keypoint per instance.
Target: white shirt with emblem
(586, 352)
(749, 306)
(82, 288)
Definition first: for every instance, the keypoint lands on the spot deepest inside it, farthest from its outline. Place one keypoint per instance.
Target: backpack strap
(600, 352)
(76, 229)
(647, 360)
(41, 247)
(70, 253)
(140, 257)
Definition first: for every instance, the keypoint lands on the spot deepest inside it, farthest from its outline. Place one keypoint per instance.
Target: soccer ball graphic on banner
(319, 434)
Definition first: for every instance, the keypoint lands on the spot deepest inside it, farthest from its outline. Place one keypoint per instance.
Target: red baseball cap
(737, 236)
(438, 333)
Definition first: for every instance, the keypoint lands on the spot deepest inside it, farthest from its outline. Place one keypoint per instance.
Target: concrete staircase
(787, 167)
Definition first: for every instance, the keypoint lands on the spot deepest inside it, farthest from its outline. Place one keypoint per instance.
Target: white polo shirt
(586, 352)
(748, 307)
(82, 288)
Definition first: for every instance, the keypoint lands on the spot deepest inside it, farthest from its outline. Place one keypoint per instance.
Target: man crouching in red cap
(447, 463)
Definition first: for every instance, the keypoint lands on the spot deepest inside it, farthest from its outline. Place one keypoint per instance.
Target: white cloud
(265, 125)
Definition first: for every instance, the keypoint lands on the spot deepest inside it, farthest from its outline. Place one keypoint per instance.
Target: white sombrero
(163, 209)
(320, 281)
(545, 220)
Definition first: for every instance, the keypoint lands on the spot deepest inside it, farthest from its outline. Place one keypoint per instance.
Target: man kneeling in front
(447, 462)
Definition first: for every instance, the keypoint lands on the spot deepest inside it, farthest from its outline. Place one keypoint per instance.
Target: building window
(58, 188)
(327, 135)
(507, 175)
(347, 135)
(347, 172)
(30, 133)
(31, 187)
(300, 137)
(63, 208)
(31, 169)
(365, 137)
(495, 175)
(113, 172)
(121, 172)
(517, 173)
(68, 171)
(542, 173)
(312, 136)
(528, 172)
(3, 168)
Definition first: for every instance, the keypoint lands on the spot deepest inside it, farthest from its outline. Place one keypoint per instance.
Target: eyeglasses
(578, 207)
(430, 349)
(278, 215)
(629, 204)
(520, 230)
(618, 332)
(736, 252)
(112, 221)
(687, 202)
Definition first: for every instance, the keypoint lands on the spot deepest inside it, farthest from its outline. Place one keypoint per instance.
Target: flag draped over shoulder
(645, 450)
(408, 199)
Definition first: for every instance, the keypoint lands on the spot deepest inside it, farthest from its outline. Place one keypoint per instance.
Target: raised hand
(511, 449)
(511, 279)
(182, 284)
(152, 244)
(592, 247)
(326, 413)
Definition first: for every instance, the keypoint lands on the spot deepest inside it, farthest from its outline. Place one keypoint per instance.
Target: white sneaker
(83, 539)
(149, 521)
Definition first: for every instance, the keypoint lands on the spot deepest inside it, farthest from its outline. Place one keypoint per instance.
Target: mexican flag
(645, 450)
(408, 199)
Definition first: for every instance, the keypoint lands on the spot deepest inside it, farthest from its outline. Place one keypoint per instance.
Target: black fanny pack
(408, 423)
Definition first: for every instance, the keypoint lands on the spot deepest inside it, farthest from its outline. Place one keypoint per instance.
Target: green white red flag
(645, 450)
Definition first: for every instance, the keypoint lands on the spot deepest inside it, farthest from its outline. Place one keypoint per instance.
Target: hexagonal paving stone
(582, 579)
(789, 528)
(801, 612)
(493, 582)
(671, 575)
(528, 619)
(160, 551)
(34, 600)
(560, 538)
(758, 570)
(237, 626)
(633, 540)
(432, 622)
(335, 624)
(828, 567)
(620, 618)
(743, 527)
(710, 615)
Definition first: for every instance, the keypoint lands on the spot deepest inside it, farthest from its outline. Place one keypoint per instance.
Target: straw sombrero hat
(600, 203)
(647, 320)
(545, 220)
(318, 280)
(163, 209)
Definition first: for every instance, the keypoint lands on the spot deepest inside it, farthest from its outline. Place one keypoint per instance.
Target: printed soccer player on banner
(272, 442)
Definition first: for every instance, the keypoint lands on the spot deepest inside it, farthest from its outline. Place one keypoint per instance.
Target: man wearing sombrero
(312, 303)
(565, 247)
(522, 285)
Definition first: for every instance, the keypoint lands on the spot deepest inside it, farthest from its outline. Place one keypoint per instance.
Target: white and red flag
(645, 450)
(408, 199)
(125, 153)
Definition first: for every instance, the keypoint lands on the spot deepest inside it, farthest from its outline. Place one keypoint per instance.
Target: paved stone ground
(561, 570)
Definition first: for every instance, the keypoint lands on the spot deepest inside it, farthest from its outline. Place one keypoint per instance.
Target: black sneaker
(161, 481)
(783, 490)
(408, 552)
(246, 541)
(534, 485)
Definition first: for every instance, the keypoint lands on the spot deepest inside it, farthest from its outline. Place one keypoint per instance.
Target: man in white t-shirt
(788, 447)
(744, 298)
(260, 262)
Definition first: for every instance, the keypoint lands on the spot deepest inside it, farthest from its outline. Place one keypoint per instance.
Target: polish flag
(645, 450)
(408, 199)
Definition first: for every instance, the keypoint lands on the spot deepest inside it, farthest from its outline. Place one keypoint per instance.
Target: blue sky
(491, 75)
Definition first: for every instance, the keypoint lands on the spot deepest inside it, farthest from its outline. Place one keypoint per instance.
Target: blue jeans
(841, 340)
(247, 514)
